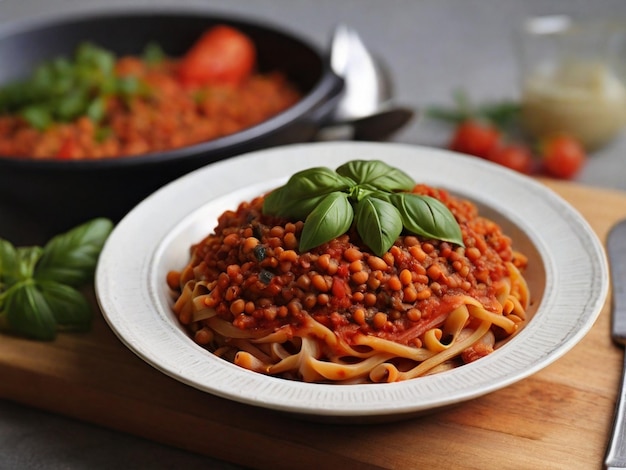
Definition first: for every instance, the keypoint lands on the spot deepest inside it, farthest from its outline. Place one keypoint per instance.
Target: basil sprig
(371, 194)
(39, 285)
(64, 89)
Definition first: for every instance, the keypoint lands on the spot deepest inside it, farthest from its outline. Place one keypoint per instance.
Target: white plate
(568, 277)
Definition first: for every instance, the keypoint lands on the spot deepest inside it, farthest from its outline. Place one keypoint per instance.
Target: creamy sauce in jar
(584, 99)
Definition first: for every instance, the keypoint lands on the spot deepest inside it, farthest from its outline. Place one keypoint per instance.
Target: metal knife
(616, 246)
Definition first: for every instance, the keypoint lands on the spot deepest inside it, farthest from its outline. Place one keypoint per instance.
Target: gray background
(431, 47)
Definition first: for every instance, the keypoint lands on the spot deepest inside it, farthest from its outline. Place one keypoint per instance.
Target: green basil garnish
(379, 224)
(304, 191)
(331, 218)
(369, 193)
(377, 174)
(39, 286)
(70, 258)
(427, 216)
(64, 89)
(153, 53)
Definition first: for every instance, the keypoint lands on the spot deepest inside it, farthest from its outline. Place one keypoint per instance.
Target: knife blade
(616, 245)
(616, 248)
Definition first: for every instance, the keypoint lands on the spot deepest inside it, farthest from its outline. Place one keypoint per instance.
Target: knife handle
(616, 452)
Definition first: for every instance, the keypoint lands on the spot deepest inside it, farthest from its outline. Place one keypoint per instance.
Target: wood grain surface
(559, 418)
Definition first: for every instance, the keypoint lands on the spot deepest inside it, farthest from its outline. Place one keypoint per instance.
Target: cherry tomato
(67, 150)
(222, 55)
(514, 156)
(562, 156)
(475, 138)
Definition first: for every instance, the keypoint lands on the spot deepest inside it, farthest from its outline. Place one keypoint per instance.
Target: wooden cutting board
(558, 418)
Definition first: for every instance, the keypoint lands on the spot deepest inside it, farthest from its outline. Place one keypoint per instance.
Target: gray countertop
(431, 48)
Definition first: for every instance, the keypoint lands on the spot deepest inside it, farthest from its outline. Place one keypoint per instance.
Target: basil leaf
(96, 109)
(71, 258)
(128, 86)
(4, 324)
(28, 313)
(71, 105)
(316, 181)
(428, 217)
(9, 264)
(153, 54)
(281, 203)
(69, 307)
(331, 218)
(363, 191)
(37, 116)
(17, 264)
(94, 57)
(303, 192)
(379, 224)
(378, 174)
(27, 258)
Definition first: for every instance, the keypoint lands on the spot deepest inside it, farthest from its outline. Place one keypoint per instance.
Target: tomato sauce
(254, 259)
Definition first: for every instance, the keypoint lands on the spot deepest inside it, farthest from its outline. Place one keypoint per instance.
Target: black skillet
(41, 198)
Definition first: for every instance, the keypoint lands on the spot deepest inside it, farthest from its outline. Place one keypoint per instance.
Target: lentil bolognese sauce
(342, 312)
(97, 105)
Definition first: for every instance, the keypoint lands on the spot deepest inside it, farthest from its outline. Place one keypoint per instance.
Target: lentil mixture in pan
(132, 105)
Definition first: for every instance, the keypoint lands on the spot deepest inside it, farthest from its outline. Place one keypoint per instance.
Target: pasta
(339, 313)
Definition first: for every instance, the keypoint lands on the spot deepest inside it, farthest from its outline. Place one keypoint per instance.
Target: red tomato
(339, 288)
(513, 156)
(475, 138)
(343, 270)
(67, 150)
(562, 156)
(222, 55)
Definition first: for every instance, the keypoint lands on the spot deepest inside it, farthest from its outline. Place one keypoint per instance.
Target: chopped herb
(265, 276)
(259, 252)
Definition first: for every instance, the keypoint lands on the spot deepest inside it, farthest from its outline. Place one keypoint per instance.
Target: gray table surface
(431, 48)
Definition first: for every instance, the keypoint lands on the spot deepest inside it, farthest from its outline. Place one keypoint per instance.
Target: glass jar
(572, 79)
